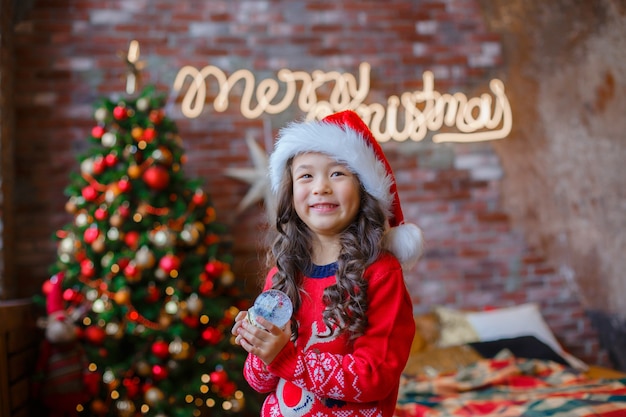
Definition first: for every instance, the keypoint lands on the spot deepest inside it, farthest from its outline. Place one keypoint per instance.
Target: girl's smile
(324, 207)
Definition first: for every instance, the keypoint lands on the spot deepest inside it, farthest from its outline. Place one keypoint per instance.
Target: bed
(504, 362)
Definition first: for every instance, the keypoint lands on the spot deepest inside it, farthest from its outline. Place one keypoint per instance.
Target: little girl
(338, 253)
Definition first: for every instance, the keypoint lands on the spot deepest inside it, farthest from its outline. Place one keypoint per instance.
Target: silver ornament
(100, 114)
(143, 104)
(86, 166)
(109, 139)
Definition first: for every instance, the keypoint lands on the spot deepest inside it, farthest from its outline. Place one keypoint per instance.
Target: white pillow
(521, 320)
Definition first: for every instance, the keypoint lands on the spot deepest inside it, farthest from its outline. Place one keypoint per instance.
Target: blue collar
(322, 271)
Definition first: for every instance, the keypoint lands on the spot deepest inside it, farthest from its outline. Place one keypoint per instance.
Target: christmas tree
(146, 266)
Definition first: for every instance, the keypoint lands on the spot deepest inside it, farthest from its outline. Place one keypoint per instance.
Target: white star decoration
(257, 177)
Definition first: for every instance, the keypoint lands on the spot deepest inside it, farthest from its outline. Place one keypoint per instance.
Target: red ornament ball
(212, 335)
(124, 185)
(149, 134)
(219, 377)
(169, 263)
(131, 272)
(120, 113)
(156, 177)
(91, 234)
(214, 268)
(97, 132)
(124, 210)
(99, 165)
(206, 288)
(131, 239)
(160, 349)
(94, 335)
(89, 193)
(111, 159)
(156, 116)
(199, 197)
(159, 372)
(191, 321)
(70, 294)
(101, 213)
(123, 262)
(228, 389)
(87, 269)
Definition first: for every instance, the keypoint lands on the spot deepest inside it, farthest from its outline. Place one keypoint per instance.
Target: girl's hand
(241, 317)
(265, 344)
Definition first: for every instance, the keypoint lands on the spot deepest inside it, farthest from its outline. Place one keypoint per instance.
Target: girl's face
(325, 193)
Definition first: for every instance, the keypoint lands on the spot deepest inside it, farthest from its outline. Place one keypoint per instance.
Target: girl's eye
(337, 174)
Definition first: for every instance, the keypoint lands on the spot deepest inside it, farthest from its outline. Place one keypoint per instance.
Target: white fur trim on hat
(347, 146)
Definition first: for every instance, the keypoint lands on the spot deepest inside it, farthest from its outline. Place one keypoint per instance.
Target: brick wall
(67, 56)
(7, 271)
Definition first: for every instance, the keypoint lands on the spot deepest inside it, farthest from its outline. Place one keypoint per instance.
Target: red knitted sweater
(329, 376)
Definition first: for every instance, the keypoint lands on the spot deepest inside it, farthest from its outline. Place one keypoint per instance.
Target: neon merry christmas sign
(462, 119)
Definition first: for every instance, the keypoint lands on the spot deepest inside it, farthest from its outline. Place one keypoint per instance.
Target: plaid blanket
(509, 387)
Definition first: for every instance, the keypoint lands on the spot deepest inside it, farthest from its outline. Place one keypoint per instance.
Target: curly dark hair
(346, 301)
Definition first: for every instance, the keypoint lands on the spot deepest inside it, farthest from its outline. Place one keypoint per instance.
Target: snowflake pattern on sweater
(322, 373)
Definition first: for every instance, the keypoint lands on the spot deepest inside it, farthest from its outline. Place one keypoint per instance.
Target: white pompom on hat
(345, 137)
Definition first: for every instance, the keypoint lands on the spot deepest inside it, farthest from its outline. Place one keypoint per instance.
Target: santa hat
(345, 137)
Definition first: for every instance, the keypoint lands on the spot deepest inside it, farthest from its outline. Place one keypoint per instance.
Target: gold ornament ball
(163, 155)
(136, 133)
(70, 206)
(165, 320)
(134, 171)
(143, 368)
(122, 296)
(227, 278)
(98, 245)
(116, 220)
